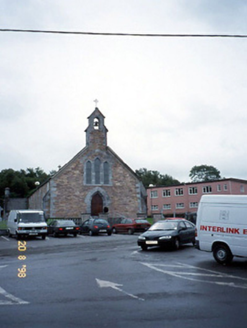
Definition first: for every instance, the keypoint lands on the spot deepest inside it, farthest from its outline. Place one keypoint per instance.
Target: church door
(97, 204)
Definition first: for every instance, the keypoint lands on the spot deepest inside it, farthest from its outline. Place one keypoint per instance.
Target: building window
(154, 194)
(225, 187)
(180, 205)
(97, 170)
(179, 192)
(106, 173)
(154, 208)
(88, 173)
(167, 193)
(207, 189)
(193, 204)
(242, 188)
(219, 187)
(166, 206)
(192, 190)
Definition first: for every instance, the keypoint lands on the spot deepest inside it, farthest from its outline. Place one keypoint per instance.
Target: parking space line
(197, 276)
(13, 300)
(5, 238)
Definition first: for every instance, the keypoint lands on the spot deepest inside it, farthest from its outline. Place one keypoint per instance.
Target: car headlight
(141, 238)
(166, 237)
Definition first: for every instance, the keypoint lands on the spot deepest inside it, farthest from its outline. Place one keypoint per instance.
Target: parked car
(96, 226)
(168, 232)
(131, 226)
(63, 227)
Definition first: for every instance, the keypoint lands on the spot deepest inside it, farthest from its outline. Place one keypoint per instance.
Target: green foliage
(21, 183)
(155, 178)
(204, 173)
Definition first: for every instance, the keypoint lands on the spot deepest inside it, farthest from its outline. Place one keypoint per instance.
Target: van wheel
(9, 234)
(222, 254)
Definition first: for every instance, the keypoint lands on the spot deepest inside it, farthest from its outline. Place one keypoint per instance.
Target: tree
(155, 178)
(21, 183)
(204, 173)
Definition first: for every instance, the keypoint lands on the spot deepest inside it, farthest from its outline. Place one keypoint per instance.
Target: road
(107, 281)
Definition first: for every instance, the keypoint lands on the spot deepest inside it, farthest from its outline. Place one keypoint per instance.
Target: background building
(183, 199)
(95, 182)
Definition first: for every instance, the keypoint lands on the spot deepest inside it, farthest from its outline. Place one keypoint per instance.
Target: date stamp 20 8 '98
(22, 248)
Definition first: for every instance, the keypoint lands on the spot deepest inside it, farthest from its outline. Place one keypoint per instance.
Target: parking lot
(108, 281)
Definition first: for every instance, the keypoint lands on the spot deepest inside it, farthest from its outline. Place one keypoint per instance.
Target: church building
(94, 182)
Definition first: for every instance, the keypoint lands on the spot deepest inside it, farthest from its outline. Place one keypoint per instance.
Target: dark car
(63, 227)
(168, 233)
(131, 226)
(96, 226)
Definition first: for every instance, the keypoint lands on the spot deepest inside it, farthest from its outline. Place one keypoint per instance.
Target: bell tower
(96, 132)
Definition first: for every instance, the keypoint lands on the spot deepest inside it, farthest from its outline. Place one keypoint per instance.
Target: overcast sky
(169, 103)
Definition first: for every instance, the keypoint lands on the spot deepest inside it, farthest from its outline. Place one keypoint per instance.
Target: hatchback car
(63, 227)
(96, 226)
(168, 233)
(131, 226)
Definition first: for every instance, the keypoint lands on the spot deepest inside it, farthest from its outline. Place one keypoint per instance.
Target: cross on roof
(96, 102)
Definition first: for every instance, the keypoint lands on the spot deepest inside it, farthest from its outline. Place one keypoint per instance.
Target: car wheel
(9, 234)
(130, 231)
(54, 234)
(222, 254)
(43, 237)
(75, 234)
(114, 230)
(193, 242)
(144, 247)
(90, 233)
(176, 243)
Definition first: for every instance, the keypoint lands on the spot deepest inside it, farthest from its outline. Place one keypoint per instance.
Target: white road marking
(81, 236)
(194, 276)
(13, 300)
(133, 253)
(113, 285)
(5, 238)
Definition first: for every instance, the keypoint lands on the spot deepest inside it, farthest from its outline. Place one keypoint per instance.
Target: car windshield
(30, 217)
(164, 225)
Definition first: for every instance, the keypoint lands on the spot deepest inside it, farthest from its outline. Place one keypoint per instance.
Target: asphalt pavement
(108, 281)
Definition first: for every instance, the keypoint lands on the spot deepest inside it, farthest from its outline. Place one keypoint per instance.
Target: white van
(222, 226)
(23, 223)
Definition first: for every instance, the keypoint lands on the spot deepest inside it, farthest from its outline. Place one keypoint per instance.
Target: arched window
(88, 173)
(97, 170)
(106, 173)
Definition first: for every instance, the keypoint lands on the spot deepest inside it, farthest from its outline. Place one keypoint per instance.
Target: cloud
(169, 103)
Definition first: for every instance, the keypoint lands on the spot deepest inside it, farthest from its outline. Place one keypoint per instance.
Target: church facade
(95, 182)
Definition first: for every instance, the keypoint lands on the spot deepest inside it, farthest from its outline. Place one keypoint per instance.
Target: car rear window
(64, 223)
(141, 221)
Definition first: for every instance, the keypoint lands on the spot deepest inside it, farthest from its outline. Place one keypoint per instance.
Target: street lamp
(6, 196)
(151, 186)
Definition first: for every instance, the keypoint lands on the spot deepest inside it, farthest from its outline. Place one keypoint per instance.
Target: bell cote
(96, 132)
